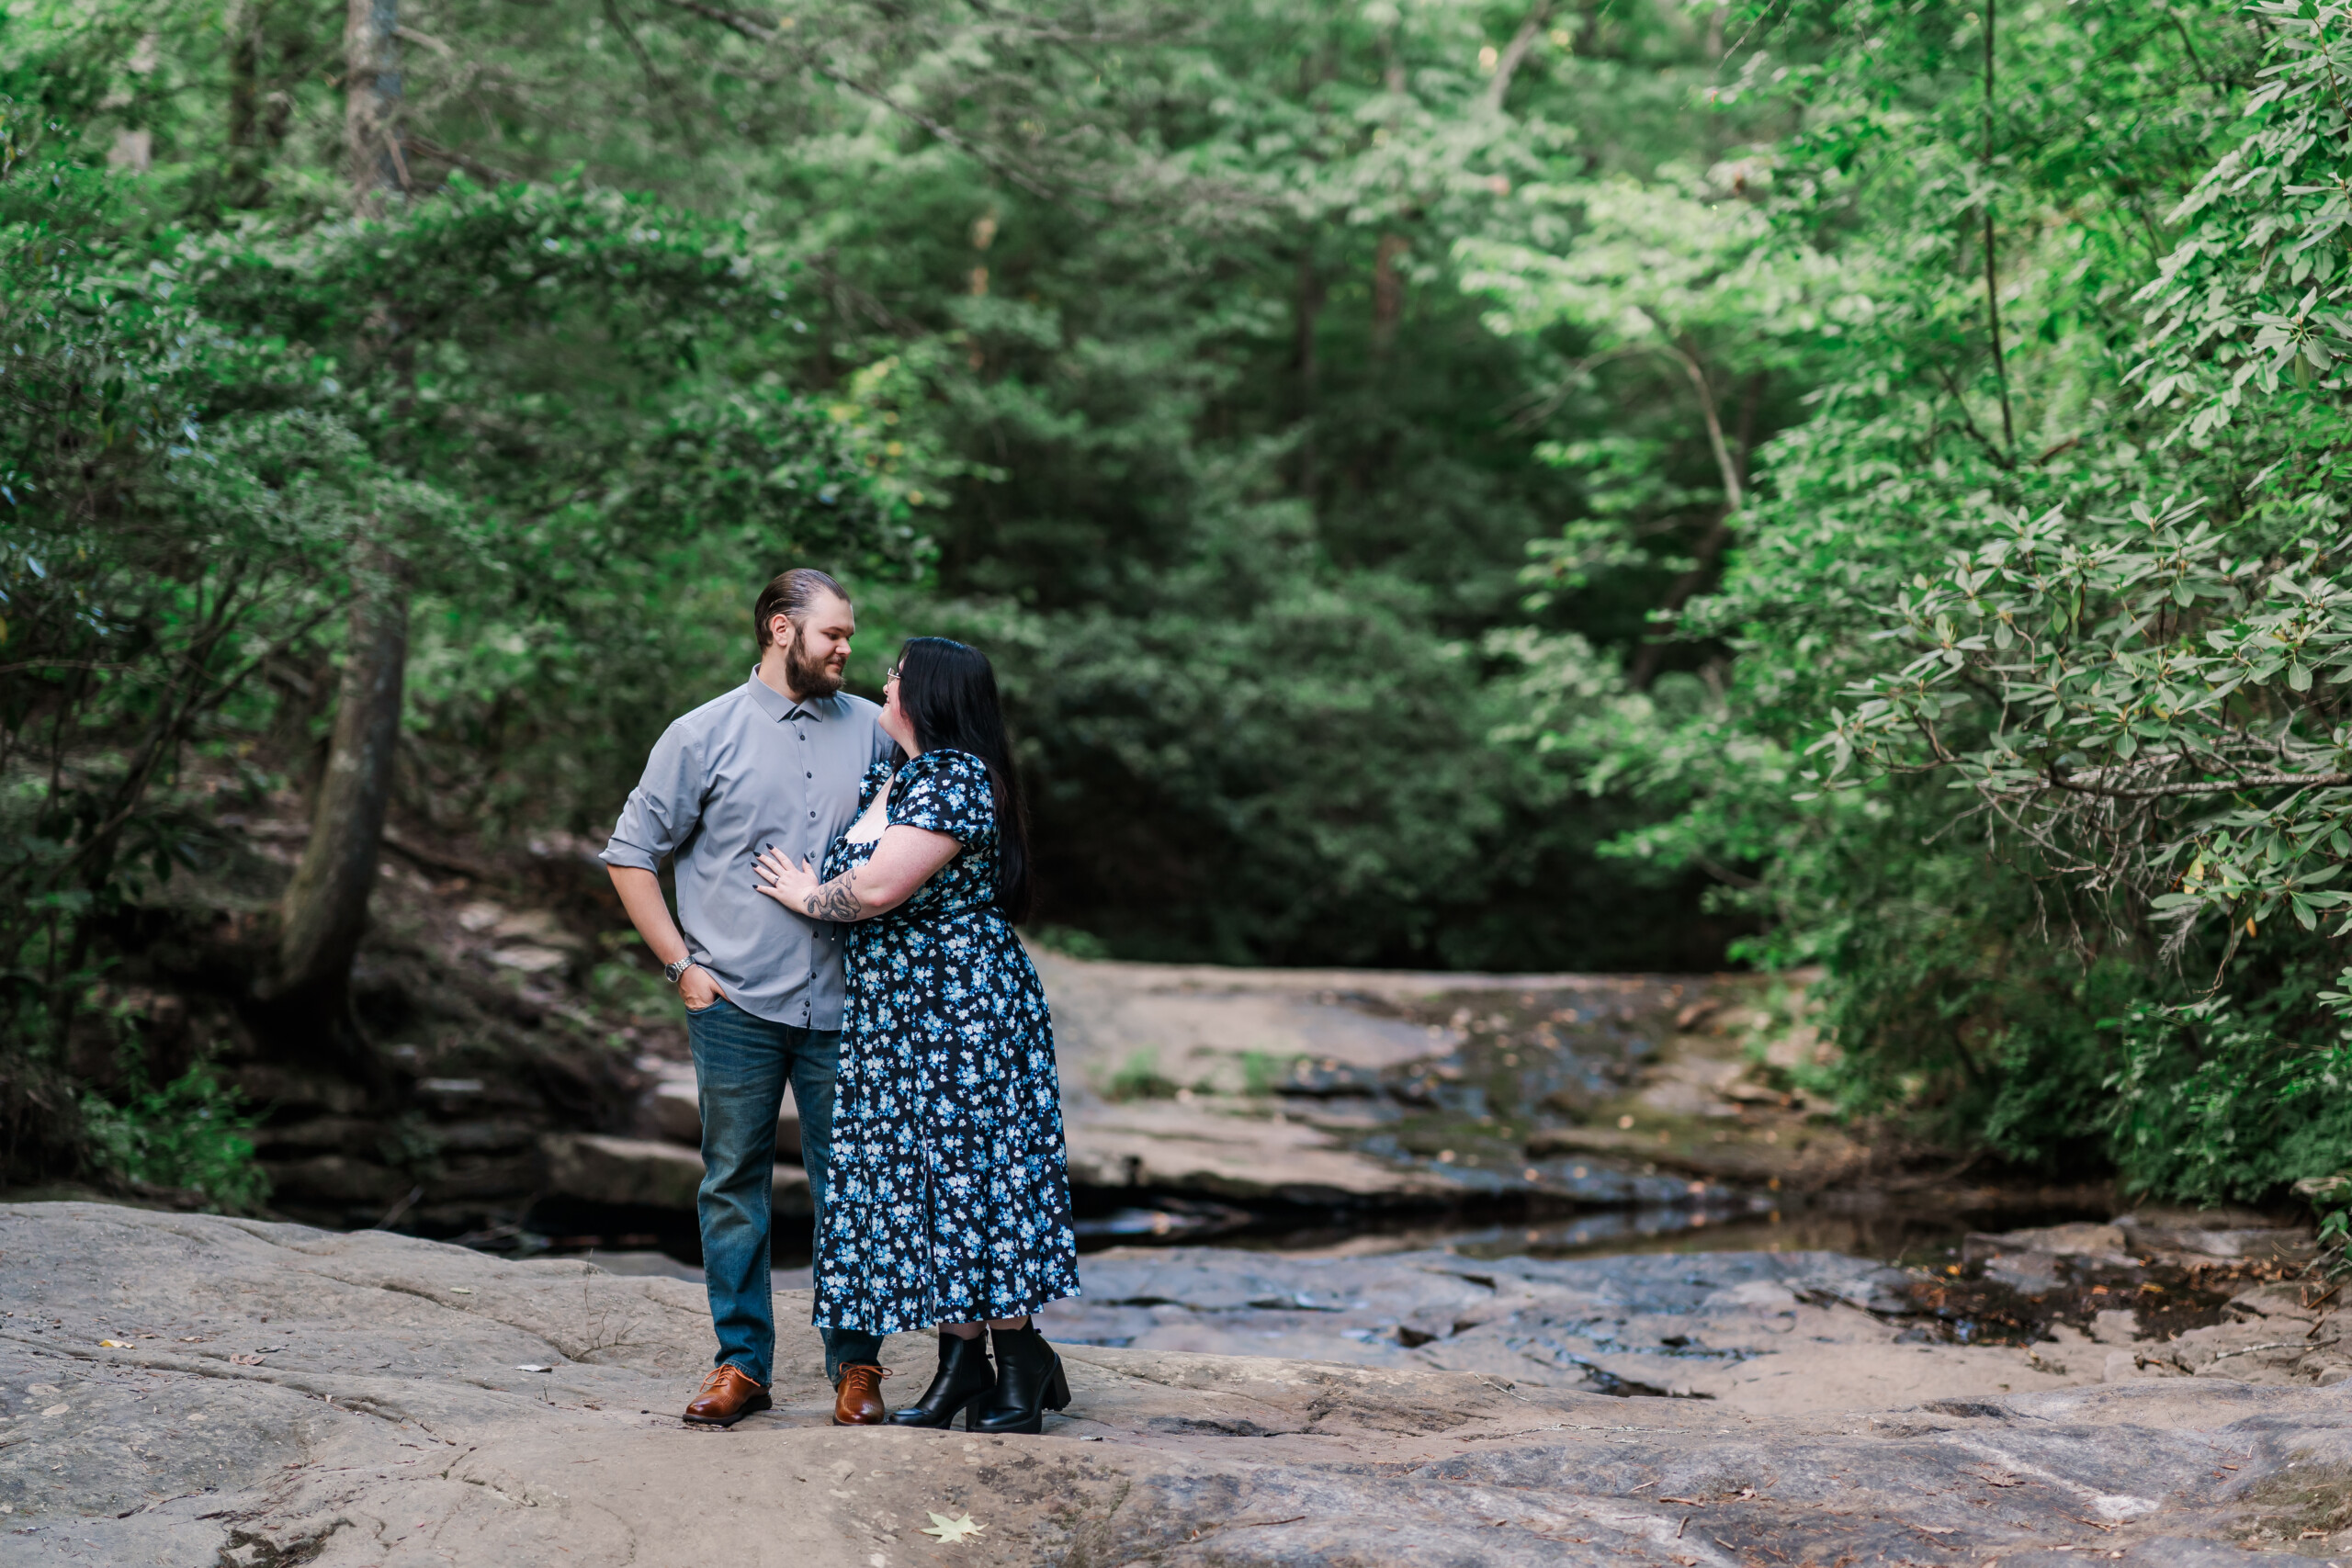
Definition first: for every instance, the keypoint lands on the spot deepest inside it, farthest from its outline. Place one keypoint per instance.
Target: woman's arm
(903, 860)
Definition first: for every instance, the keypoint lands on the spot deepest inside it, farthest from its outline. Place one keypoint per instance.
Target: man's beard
(811, 678)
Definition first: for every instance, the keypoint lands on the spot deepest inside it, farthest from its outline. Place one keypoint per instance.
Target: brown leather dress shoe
(859, 1402)
(728, 1395)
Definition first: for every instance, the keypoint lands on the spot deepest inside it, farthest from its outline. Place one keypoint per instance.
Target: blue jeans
(741, 1065)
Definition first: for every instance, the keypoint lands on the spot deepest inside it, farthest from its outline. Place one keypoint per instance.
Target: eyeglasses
(892, 673)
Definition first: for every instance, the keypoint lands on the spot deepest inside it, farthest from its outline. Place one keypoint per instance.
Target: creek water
(1850, 1223)
(1621, 1115)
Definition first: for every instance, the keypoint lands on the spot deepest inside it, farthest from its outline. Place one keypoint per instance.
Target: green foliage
(201, 432)
(2331, 1198)
(2148, 692)
(1141, 324)
(189, 1134)
(2031, 626)
(1138, 1078)
(2232, 1099)
(1504, 488)
(1262, 1072)
(1067, 940)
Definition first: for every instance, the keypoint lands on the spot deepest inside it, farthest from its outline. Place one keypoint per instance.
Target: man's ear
(780, 631)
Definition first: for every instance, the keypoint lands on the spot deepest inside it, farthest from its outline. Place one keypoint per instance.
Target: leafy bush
(1138, 1078)
(2331, 1198)
(2036, 715)
(2234, 1098)
(189, 1134)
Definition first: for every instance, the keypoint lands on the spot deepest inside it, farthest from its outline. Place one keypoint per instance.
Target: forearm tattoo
(837, 900)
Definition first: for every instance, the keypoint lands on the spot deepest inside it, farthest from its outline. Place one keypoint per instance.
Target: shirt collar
(778, 706)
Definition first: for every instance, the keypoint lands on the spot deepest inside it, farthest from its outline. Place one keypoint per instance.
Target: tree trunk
(371, 75)
(245, 27)
(324, 912)
(1309, 313)
(306, 997)
(1387, 291)
(1710, 550)
(1514, 54)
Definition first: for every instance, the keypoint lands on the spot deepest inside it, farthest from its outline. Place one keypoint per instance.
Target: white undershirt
(876, 817)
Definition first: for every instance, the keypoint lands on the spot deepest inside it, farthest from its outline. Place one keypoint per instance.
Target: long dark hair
(948, 693)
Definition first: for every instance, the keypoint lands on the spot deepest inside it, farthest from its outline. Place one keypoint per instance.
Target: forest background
(1624, 484)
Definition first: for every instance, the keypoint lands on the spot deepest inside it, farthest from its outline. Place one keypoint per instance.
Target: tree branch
(1515, 52)
(1992, 294)
(1724, 465)
(761, 31)
(2203, 786)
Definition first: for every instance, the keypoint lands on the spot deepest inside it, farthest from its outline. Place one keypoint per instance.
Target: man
(775, 761)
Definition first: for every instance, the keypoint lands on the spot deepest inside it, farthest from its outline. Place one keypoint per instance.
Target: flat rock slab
(1205, 1031)
(1766, 1332)
(200, 1391)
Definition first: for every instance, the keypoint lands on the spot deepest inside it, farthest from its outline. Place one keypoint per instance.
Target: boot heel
(962, 1380)
(1029, 1381)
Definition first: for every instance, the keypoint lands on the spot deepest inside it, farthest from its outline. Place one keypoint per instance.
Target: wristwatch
(673, 973)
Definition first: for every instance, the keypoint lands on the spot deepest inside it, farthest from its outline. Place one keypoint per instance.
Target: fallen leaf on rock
(950, 1531)
(2003, 1478)
(113, 1344)
(461, 1290)
(191, 1339)
(532, 1367)
(242, 1360)
(1694, 1502)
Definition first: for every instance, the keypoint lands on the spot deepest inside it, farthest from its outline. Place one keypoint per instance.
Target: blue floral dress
(949, 1196)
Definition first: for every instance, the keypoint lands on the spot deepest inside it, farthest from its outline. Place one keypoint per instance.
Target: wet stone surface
(275, 1394)
(1395, 1092)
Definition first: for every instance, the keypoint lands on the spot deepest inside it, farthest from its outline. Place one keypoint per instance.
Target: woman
(949, 1188)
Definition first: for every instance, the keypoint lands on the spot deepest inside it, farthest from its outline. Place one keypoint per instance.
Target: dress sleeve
(877, 773)
(946, 792)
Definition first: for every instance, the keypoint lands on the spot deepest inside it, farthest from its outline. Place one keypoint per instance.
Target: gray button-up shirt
(752, 769)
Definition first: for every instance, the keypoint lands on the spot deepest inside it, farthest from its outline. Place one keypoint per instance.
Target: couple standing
(888, 987)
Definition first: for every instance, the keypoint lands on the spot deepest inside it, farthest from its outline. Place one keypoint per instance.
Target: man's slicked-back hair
(791, 594)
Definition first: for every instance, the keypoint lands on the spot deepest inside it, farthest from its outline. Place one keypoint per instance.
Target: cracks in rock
(247, 1549)
(295, 1382)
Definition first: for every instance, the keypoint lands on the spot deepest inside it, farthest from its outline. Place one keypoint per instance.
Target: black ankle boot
(963, 1378)
(1029, 1383)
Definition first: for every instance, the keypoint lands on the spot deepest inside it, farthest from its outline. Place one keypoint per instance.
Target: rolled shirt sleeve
(748, 771)
(664, 810)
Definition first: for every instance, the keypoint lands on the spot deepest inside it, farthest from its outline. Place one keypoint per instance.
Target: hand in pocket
(699, 990)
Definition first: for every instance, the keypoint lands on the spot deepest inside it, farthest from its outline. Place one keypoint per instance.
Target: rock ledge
(200, 1391)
